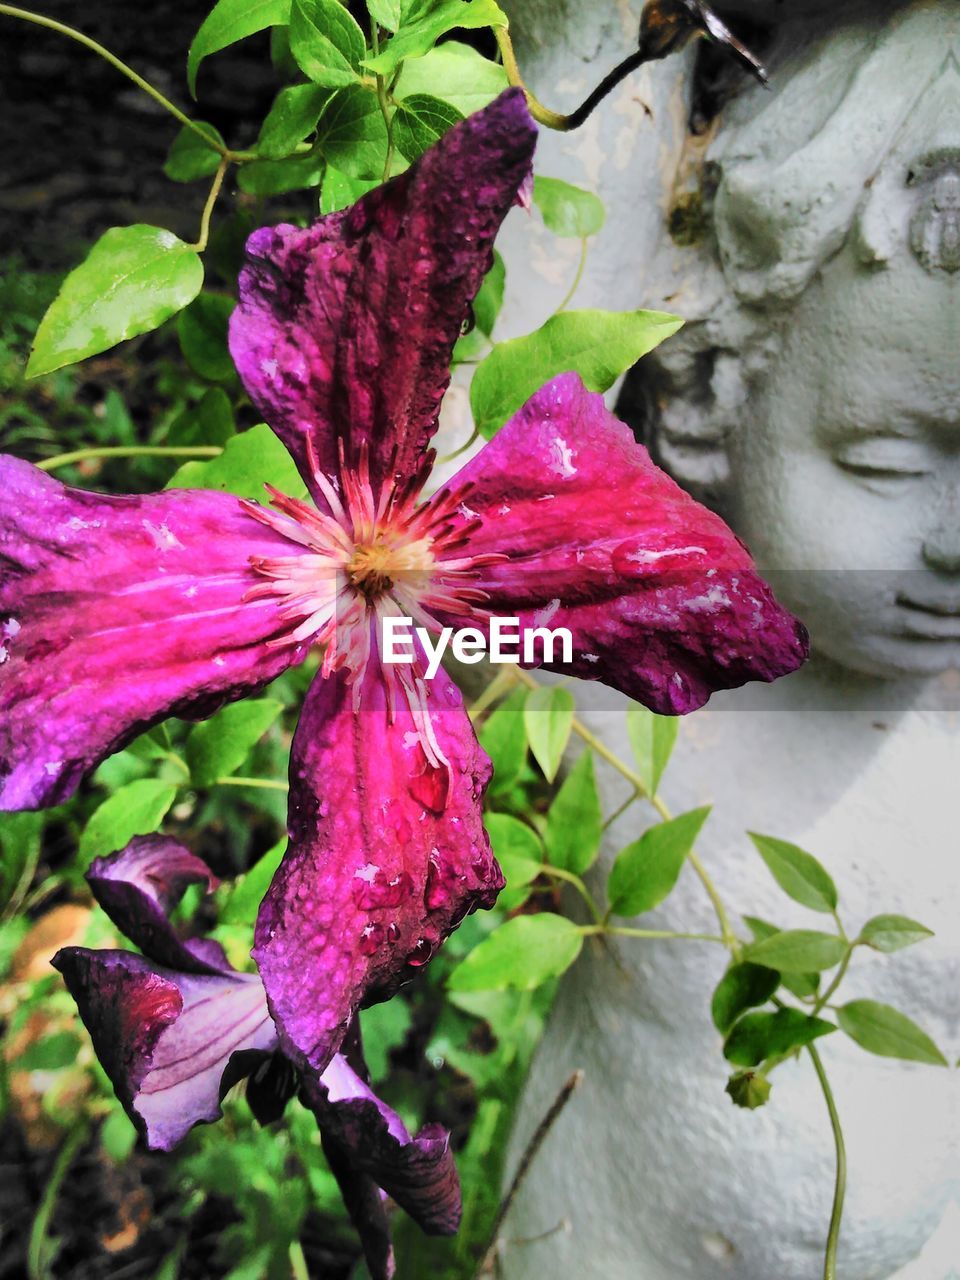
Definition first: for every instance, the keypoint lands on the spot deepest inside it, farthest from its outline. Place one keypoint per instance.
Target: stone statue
(814, 399)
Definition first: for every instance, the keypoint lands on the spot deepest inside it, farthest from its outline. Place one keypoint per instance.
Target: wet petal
(387, 855)
(419, 1173)
(164, 1038)
(345, 329)
(140, 886)
(661, 598)
(116, 612)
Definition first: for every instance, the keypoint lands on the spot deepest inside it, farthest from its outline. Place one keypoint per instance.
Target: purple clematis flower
(176, 1027)
(121, 611)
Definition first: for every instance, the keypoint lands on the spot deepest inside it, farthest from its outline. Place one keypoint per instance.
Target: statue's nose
(941, 546)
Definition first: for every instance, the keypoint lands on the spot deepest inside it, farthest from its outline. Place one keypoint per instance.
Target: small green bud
(748, 1089)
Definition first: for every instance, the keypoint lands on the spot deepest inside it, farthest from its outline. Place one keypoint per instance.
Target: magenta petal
(386, 857)
(662, 600)
(419, 1173)
(165, 1039)
(140, 886)
(116, 612)
(345, 329)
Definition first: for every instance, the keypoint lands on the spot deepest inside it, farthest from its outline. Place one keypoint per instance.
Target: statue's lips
(931, 619)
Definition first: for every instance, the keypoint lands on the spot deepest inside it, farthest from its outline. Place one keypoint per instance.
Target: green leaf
(457, 74)
(20, 835)
(385, 12)
(134, 810)
(881, 1029)
(52, 1053)
(548, 720)
(420, 121)
(743, 986)
(132, 280)
(384, 1027)
(645, 872)
(800, 984)
(797, 951)
(326, 42)
(798, 874)
(568, 210)
(599, 345)
(758, 1036)
(292, 118)
(277, 177)
(352, 135)
(575, 821)
(652, 738)
(418, 37)
(489, 300)
(228, 22)
(118, 1137)
(209, 422)
(503, 737)
(893, 933)
(202, 330)
(248, 462)
(190, 158)
(522, 953)
(339, 191)
(218, 747)
(243, 901)
(518, 850)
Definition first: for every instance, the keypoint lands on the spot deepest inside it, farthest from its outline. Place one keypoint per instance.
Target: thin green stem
(543, 115)
(71, 33)
(218, 177)
(840, 1183)
(581, 267)
(298, 1262)
(570, 878)
(383, 98)
(267, 784)
(37, 1268)
(622, 931)
(620, 810)
(474, 437)
(130, 451)
(823, 1000)
(500, 685)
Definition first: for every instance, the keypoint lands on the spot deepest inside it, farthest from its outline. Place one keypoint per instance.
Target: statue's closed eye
(884, 458)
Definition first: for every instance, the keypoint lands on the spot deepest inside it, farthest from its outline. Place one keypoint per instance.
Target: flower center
(376, 567)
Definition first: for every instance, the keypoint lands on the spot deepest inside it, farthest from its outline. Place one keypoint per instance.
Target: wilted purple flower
(121, 611)
(176, 1027)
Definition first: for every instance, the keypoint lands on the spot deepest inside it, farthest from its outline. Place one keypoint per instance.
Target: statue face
(846, 480)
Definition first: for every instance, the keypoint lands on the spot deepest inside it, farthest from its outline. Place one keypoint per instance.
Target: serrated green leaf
(132, 280)
(798, 951)
(418, 36)
(758, 1036)
(420, 121)
(134, 810)
(798, 873)
(598, 345)
(568, 210)
(883, 1030)
(646, 871)
(278, 177)
(326, 42)
(503, 737)
(190, 158)
(801, 985)
(456, 73)
(523, 953)
(386, 13)
(652, 739)
(202, 330)
(575, 820)
(742, 987)
(243, 900)
(352, 136)
(248, 462)
(292, 118)
(228, 22)
(518, 850)
(218, 747)
(548, 720)
(893, 933)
